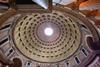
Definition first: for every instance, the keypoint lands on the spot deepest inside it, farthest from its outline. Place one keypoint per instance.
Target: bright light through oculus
(48, 31)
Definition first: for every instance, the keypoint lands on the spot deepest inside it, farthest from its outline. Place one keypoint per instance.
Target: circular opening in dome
(48, 31)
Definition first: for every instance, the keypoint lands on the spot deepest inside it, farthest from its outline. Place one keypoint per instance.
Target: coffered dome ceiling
(48, 37)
